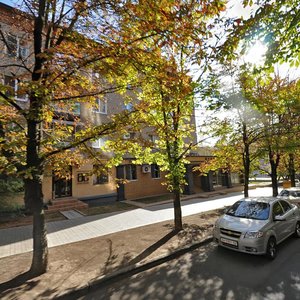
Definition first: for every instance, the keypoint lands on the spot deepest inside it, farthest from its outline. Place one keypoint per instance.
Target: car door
(279, 227)
(290, 217)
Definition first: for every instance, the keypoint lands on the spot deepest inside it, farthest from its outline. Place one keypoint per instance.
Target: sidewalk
(19, 239)
(77, 268)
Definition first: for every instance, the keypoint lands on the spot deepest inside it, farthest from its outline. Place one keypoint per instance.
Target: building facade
(126, 181)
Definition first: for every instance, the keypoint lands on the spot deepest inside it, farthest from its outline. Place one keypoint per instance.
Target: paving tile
(19, 240)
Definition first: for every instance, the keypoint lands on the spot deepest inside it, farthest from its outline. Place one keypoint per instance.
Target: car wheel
(297, 230)
(271, 251)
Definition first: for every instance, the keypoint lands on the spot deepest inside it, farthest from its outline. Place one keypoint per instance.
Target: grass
(11, 202)
(155, 199)
(14, 220)
(103, 209)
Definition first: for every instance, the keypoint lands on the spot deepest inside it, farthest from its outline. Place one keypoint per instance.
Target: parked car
(257, 225)
(292, 194)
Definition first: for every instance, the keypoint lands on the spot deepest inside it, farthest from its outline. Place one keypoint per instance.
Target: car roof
(261, 199)
(297, 189)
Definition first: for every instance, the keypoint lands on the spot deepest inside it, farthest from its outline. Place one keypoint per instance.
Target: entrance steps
(62, 204)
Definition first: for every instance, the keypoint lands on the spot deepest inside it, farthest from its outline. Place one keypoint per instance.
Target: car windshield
(284, 193)
(250, 210)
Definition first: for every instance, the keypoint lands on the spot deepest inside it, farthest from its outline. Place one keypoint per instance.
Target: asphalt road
(214, 273)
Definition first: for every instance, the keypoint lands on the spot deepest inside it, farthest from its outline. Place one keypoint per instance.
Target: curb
(131, 270)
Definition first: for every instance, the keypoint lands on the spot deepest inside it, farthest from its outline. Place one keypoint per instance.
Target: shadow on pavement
(153, 247)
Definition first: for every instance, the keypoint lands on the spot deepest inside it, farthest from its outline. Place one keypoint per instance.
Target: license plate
(229, 242)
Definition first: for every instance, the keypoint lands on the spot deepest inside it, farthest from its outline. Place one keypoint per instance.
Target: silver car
(291, 194)
(257, 225)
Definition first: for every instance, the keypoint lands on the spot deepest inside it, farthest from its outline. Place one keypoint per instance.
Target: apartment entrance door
(62, 186)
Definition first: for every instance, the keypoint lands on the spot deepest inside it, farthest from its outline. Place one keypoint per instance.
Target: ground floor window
(155, 171)
(100, 176)
(130, 172)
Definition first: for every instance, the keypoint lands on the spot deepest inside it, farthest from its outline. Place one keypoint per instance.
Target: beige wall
(87, 189)
(47, 186)
(144, 186)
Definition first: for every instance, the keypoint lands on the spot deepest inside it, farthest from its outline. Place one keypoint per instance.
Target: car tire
(271, 250)
(297, 230)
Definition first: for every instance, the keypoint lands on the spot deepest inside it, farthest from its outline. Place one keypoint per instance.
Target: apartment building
(82, 183)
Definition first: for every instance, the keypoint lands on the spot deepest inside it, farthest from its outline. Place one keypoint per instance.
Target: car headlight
(253, 234)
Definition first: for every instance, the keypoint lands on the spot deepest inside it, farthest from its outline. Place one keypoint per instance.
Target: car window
(284, 193)
(286, 206)
(250, 210)
(277, 209)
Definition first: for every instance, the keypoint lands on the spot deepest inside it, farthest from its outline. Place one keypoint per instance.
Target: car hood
(240, 224)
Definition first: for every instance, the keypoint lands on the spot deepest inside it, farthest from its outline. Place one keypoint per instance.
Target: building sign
(83, 177)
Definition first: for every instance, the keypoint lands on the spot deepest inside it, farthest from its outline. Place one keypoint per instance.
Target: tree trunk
(27, 197)
(246, 175)
(177, 203)
(177, 210)
(40, 245)
(246, 161)
(274, 161)
(34, 195)
(274, 180)
(292, 172)
(34, 164)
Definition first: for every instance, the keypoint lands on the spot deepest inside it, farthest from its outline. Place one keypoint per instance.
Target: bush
(11, 185)
(11, 195)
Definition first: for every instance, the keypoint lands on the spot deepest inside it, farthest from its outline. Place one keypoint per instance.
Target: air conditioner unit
(146, 169)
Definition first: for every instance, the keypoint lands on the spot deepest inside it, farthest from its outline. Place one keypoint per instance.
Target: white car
(257, 225)
(291, 194)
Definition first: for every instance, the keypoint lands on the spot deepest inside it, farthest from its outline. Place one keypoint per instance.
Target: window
(16, 47)
(68, 110)
(23, 52)
(76, 109)
(130, 172)
(12, 45)
(155, 171)
(277, 210)
(62, 132)
(12, 88)
(284, 193)
(100, 106)
(10, 83)
(99, 143)
(285, 205)
(250, 210)
(152, 138)
(101, 176)
(128, 106)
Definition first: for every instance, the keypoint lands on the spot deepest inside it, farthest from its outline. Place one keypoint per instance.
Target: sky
(8, 2)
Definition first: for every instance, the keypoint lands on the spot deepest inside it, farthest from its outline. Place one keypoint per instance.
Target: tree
(268, 93)
(70, 41)
(275, 23)
(237, 136)
(55, 76)
(166, 96)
